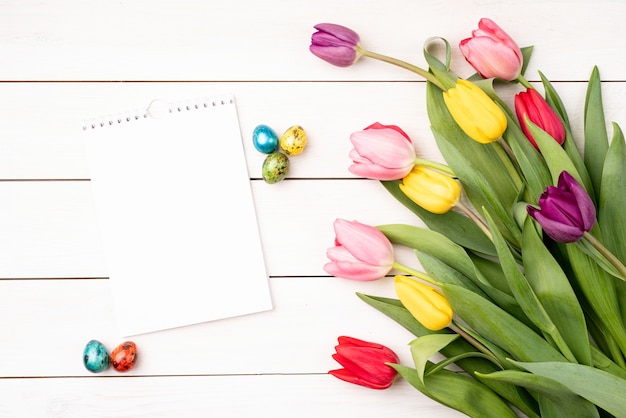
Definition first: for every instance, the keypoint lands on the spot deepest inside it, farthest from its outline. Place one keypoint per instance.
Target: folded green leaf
(597, 386)
(555, 292)
(459, 392)
(423, 348)
(562, 401)
(596, 137)
(446, 274)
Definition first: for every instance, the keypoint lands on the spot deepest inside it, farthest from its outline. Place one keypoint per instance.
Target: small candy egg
(275, 167)
(123, 357)
(95, 357)
(293, 140)
(264, 139)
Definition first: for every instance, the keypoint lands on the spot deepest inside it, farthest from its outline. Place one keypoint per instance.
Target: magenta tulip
(492, 52)
(361, 252)
(335, 44)
(530, 104)
(365, 363)
(382, 152)
(566, 211)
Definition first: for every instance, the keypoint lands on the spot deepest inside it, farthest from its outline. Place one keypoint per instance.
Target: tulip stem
(620, 269)
(474, 342)
(415, 273)
(522, 80)
(437, 166)
(475, 218)
(403, 64)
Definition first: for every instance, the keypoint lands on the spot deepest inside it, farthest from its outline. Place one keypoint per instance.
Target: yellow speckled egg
(293, 140)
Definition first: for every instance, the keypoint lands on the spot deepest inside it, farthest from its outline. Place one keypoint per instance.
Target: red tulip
(365, 363)
(530, 104)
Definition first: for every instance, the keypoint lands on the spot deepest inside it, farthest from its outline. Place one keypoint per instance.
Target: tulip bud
(530, 104)
(430, 189)
(426, 304)
(361, 252)
(335, 44)
(475, 113)
(365, 363)
(566, 211)
(382, 152)
(492, 52)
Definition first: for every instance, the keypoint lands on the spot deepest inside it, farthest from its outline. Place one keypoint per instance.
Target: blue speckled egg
(264, 139)
(95, 357)
(275, 167)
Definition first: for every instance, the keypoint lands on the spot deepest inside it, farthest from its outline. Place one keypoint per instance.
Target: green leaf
(453, 225)
(499, 327)
(526, 54)
(446, 274)
(611, 213)
(459, 392)
(598, 287)
(596, 137)
(430, 242)
(423, 348)
(597, 386)
(563, 402)
(555, 292)
(520, 287)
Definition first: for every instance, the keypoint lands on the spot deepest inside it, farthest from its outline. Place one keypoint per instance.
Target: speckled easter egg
(293, 140)
(124, 356)
(275, 167)
(264, 139)
(95, 357)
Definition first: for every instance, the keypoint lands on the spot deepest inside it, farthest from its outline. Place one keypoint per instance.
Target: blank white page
(176, 213)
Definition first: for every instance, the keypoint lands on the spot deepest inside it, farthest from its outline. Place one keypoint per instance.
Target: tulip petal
(558, 231)
(364, 242)
(585, 204)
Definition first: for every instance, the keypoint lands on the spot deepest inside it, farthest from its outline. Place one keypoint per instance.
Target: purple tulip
(566, 211)
(335, 44)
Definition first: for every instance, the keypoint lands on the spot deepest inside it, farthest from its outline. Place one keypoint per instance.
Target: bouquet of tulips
(521, 247)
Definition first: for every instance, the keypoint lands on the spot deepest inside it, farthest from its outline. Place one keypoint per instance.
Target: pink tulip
(529, 103)
(492, 52)
(365, 363)
(382, 152)
(361, 252)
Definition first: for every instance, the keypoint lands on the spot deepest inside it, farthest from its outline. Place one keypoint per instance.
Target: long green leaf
(563, 402)
(597, 386)
(596, 137)
(611, 213)
(555, 292)
(459, 392)
(498, 326)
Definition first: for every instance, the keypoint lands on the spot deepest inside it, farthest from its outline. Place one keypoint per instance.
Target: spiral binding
(164, 108)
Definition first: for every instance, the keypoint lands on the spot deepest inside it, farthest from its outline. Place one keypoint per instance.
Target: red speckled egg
(123, 357)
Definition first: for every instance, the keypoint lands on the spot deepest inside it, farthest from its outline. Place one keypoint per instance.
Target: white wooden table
(63, 61)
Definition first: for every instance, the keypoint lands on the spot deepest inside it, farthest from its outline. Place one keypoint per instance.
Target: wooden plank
(54, 233)
(49, 322)
(225, 396)
(198, 40)
(41, 124)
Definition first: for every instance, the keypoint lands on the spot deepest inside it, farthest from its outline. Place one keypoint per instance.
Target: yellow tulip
(430, 189)
(425, 303)
(475, 112)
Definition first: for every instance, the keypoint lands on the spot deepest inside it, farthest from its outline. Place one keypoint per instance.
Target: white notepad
(174, 203)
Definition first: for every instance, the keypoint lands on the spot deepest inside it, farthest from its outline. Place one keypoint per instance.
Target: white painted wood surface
(67, 60)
